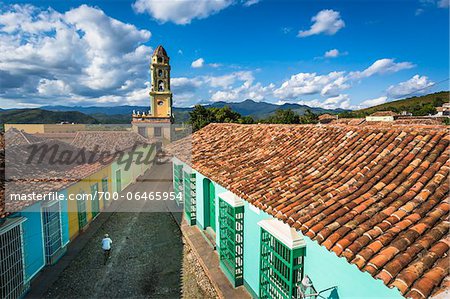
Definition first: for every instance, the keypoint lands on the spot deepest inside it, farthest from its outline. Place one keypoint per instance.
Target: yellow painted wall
(46, 128)
(161, 110)
(28, 128)
(84, 186)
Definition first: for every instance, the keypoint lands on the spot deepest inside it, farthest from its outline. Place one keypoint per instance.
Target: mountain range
(420, 105)
(257, 110)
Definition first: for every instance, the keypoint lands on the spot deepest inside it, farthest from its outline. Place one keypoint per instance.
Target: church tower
(156, 122)
(160, 94)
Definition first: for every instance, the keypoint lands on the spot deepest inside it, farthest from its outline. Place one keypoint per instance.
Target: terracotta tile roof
(327, 116)
(375, 195)
(42, 176)
(349, 121)
(16, 137)
(46, 176)
(66, 137)
(108, 141)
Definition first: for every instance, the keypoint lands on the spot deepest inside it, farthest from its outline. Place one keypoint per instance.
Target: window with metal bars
(95, 203)
(12, 273)
(52, 232)
(190, 208)
(231, 225)
(82, 217)
(177, 180)
(281, 268)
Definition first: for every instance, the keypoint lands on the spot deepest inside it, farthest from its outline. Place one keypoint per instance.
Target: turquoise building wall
(252, 233)
(323, 267)
(252, 249)
(326, 269)
(33, 240)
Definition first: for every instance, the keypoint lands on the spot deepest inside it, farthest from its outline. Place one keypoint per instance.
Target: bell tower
(156, 122)
(160, 94)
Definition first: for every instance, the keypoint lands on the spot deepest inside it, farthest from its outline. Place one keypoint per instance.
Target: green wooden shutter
(190, 207)
(81, 207)
(281, 268)
(95, 200)
(177, 181)
(231, 228)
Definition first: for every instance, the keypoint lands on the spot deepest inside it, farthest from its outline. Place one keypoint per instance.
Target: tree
(200, 117)
(309, 118)
(283, 117)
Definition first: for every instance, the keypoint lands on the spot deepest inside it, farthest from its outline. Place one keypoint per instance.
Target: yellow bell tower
(156, 122)
(160, 94)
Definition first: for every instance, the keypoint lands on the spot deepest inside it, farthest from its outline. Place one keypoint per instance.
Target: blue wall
(33, 239)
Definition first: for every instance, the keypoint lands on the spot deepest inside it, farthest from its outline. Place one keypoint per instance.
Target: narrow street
(146, 256)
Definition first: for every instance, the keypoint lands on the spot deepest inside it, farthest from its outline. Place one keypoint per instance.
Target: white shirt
(106, 243)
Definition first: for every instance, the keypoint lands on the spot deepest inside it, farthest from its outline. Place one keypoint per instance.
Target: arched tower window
(160, 60)
(160, 73)
(160, 85)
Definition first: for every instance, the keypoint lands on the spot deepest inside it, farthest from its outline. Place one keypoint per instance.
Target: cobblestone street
(146, 257)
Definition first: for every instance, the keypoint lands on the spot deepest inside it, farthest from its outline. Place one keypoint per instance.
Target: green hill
(418, 106)
(39, 116)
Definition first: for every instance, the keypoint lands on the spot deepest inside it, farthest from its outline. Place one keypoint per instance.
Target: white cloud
(53, 88)
(248, 3)
(443, 3)
(198, 63)
(326, 21)
(229, 87)
(73, 56)
(340, 101)
(382, 66)
(417, 85)
(311, 83)
(332, 53)
(226, 81)
(373, 102)
(180, 12)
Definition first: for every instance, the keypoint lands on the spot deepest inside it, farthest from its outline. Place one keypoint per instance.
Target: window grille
(177, 180)
(82, 217)
(281, 268)
(52, 232)
(190, 206)
(105, 185)
(95, 200)
(12, 274)
(231, 226)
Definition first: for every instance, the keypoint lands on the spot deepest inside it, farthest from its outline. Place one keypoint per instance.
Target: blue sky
(333, 54)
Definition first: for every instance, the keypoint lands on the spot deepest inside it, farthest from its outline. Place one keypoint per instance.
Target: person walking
(106, 246)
